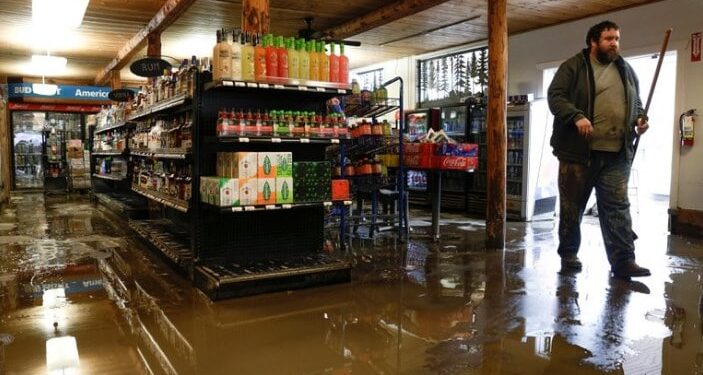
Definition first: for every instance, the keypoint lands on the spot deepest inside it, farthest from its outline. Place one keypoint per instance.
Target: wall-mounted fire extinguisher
(686, 122)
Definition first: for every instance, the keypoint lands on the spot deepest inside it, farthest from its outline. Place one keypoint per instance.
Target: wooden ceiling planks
(108, 24)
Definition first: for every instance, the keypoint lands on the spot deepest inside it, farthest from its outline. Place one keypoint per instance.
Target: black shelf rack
(164, 153)
(108, 153)
(110, 127)
(177, 103)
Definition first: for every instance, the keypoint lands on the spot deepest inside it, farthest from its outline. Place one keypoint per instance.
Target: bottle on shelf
(314, 60)
(283, 60)
(236, 56)
(271, 56)
(221, 58)
(247, 57)
(304, 72)
(259, 57)
(293, 58)
(334, 64)
(324, 62)
(343, 66)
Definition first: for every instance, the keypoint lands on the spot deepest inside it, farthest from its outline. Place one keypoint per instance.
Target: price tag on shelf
(240, 84)
(244, 140)
(249, 208)
(347, 203)
(280, 87)
(321, 89)
(227, 83)
(275, 140)
(334, 140)
(237, 209)
(303, 88)
(304, 140)
(341, 91)
(286, 206)
(271, 207)
(327, 204)
(252, 84)
(264, 85)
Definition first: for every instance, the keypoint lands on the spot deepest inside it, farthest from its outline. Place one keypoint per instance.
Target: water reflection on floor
(69, 269)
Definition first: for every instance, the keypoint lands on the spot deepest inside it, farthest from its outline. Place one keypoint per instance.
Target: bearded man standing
(597, 113)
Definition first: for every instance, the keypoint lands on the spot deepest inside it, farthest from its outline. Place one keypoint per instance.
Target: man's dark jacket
(572, 95)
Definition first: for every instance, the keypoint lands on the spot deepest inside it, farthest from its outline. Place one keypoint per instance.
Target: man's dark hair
(595, 31)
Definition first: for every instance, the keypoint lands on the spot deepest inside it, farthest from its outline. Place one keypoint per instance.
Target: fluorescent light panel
(50, 14)
(48, 65)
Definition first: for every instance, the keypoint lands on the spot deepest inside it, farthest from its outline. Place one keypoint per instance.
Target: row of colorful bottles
(167, 177)
(255, 57)
(111, 115)
(365, 128)
(170, 84)
(111, 140)
(281, 123)
(154, 134)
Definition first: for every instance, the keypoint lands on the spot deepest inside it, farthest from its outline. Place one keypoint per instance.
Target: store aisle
(416, 308)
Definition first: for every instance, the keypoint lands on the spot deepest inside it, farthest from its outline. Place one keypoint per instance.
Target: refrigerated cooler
(39, 145)
(531, 169)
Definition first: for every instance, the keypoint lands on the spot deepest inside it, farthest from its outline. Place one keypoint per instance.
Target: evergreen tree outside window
(447, 78)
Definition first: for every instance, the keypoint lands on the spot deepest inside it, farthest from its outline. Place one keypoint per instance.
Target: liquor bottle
(314, 60)
(271, 56)
(236, 56)
(283, 69)
(221, 58)
(259, 57)
(343, 66)
(334, 64)
(324, 62)
(304, 70)
(293, 58)
(247, 58)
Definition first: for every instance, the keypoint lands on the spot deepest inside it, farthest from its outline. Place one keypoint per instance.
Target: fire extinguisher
(686, 122)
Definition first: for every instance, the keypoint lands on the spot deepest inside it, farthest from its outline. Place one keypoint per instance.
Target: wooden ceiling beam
(166, 16)
(380, 17)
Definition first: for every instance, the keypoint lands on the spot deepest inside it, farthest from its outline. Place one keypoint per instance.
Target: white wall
(642, 31)
(404, 68)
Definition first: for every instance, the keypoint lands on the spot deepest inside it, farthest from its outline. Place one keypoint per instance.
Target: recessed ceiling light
(48, 65)
(54, 14)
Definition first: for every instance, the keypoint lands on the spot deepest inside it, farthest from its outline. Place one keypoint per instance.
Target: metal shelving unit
(177, 101)
(179, 154)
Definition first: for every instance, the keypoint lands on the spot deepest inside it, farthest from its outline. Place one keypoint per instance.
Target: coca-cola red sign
(456, 163)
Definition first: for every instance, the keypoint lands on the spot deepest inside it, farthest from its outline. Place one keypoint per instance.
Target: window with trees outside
(445, 79)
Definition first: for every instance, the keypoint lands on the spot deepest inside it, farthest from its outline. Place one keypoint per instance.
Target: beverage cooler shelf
(107, 153)
(109, 177)
(171, 241)
(175, 203)
(132, 205)
(160, 106)
(164, 153)
(223, 279)
(326, 89)
(273, 207)
(111, 127)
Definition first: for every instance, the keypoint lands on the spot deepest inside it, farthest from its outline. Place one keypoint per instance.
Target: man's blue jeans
(608, 173)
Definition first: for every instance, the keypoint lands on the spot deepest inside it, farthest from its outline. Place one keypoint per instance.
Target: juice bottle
(343, 66)
(304, 72)
(324, 62)
(247, 58)
(259, 58)
(222, 58)
(293, 59)
(271, 57)
(314, 60)
(283, 69)
(334, 64)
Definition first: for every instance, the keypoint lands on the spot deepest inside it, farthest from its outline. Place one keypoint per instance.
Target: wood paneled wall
(4, 151)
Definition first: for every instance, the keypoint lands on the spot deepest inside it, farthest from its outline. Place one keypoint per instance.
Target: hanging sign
(92, 93)
(696, 47)
(121, 95)
(53, 107)
(149, 67)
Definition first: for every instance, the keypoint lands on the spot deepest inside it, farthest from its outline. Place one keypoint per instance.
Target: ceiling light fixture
(58, 13)
(48, 65)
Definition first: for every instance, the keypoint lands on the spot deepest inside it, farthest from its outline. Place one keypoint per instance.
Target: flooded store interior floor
(80, 294)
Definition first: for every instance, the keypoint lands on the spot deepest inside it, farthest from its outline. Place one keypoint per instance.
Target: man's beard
(606, 56)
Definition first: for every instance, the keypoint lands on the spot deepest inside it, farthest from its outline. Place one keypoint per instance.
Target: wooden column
(153, 48)
(496, 119)
(115, 81)
(255, 16)
(5, 139)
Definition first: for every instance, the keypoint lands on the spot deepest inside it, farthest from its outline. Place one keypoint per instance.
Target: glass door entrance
(27, 146)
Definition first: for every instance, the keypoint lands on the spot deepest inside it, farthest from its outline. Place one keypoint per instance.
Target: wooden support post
(255, 16)
(496, 136)
(115, 81)
(153, 48)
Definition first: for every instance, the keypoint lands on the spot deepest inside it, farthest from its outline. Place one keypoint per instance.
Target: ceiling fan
(309, 33)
